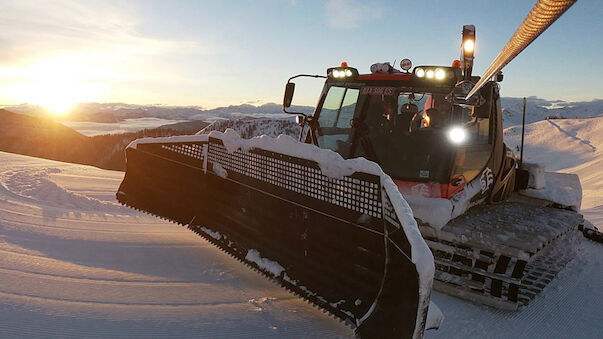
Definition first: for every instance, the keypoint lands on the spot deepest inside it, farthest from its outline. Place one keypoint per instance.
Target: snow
(266, 264)
(437, 212)
(91, 128)
(435, 317)
(539, 109)
(215, 235)
(219, 171)
(536, 178)
(561, 188)
(568, 146)
(74, 263)
(177, 138)
(248, 128)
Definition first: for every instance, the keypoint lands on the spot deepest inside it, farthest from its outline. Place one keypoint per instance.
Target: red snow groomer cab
(447, 156)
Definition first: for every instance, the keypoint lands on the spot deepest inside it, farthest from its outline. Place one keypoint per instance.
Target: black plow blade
(339, 242)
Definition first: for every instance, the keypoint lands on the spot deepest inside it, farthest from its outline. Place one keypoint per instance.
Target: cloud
(348, 14)
(32, 28)
(87, 48)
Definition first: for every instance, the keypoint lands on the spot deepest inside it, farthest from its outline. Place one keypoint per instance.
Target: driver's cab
(414, 134)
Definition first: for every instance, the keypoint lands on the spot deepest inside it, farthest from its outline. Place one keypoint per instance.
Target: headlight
(430, 73)
(440, 74)
(420, 72)
(457, 135)
(468, 46)
(342, 72)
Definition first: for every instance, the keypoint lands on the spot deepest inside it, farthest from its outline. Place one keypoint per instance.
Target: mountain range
(30, 131)
(537, 109)
(117, 112)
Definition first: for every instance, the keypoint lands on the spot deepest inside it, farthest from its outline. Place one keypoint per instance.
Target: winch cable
(542, 15)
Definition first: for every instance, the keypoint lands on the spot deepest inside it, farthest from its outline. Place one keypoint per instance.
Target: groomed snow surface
(73, 263)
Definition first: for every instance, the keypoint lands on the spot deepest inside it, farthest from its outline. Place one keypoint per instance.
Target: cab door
(333, 128)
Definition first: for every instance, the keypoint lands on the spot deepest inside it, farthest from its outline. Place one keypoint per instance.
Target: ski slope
(74, 263)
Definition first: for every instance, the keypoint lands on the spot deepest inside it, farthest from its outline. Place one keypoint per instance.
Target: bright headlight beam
(440, 74)
(420, 72)
(457, 135)
(430, 73)
(468, 46)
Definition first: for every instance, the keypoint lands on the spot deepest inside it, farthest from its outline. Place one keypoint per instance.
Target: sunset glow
(62, 52)
(55, 83)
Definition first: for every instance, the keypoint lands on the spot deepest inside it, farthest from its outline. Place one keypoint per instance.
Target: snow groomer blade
(345, 243)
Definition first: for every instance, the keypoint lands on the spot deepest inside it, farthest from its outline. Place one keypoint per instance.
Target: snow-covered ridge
(248, 128)
(539, 109)
(567, 146)
(115, 112)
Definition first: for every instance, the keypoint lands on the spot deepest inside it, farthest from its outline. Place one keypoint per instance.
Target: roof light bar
(434, 73)
(340, 73)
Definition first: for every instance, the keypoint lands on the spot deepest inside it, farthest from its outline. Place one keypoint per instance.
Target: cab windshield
(404, 130)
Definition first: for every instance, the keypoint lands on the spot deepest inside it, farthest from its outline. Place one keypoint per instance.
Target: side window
(330, 108)
(347, 108)
(334, 130)
(471, 158)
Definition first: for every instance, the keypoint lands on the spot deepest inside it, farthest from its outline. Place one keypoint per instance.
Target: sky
(219, 53)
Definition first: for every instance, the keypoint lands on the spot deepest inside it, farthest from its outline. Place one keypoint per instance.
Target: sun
(57, 83)
(59, 107)
(57, 98)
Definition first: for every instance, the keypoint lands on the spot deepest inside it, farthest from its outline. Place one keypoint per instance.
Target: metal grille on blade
(351, 193)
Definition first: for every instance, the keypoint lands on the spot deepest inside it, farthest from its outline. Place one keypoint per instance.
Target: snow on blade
(177, 138)
(331, 163)
(220, 171)
(435, 317)
(266, 264)
(215, 235)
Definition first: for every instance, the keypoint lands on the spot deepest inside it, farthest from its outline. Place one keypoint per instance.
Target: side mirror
(288, 98)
